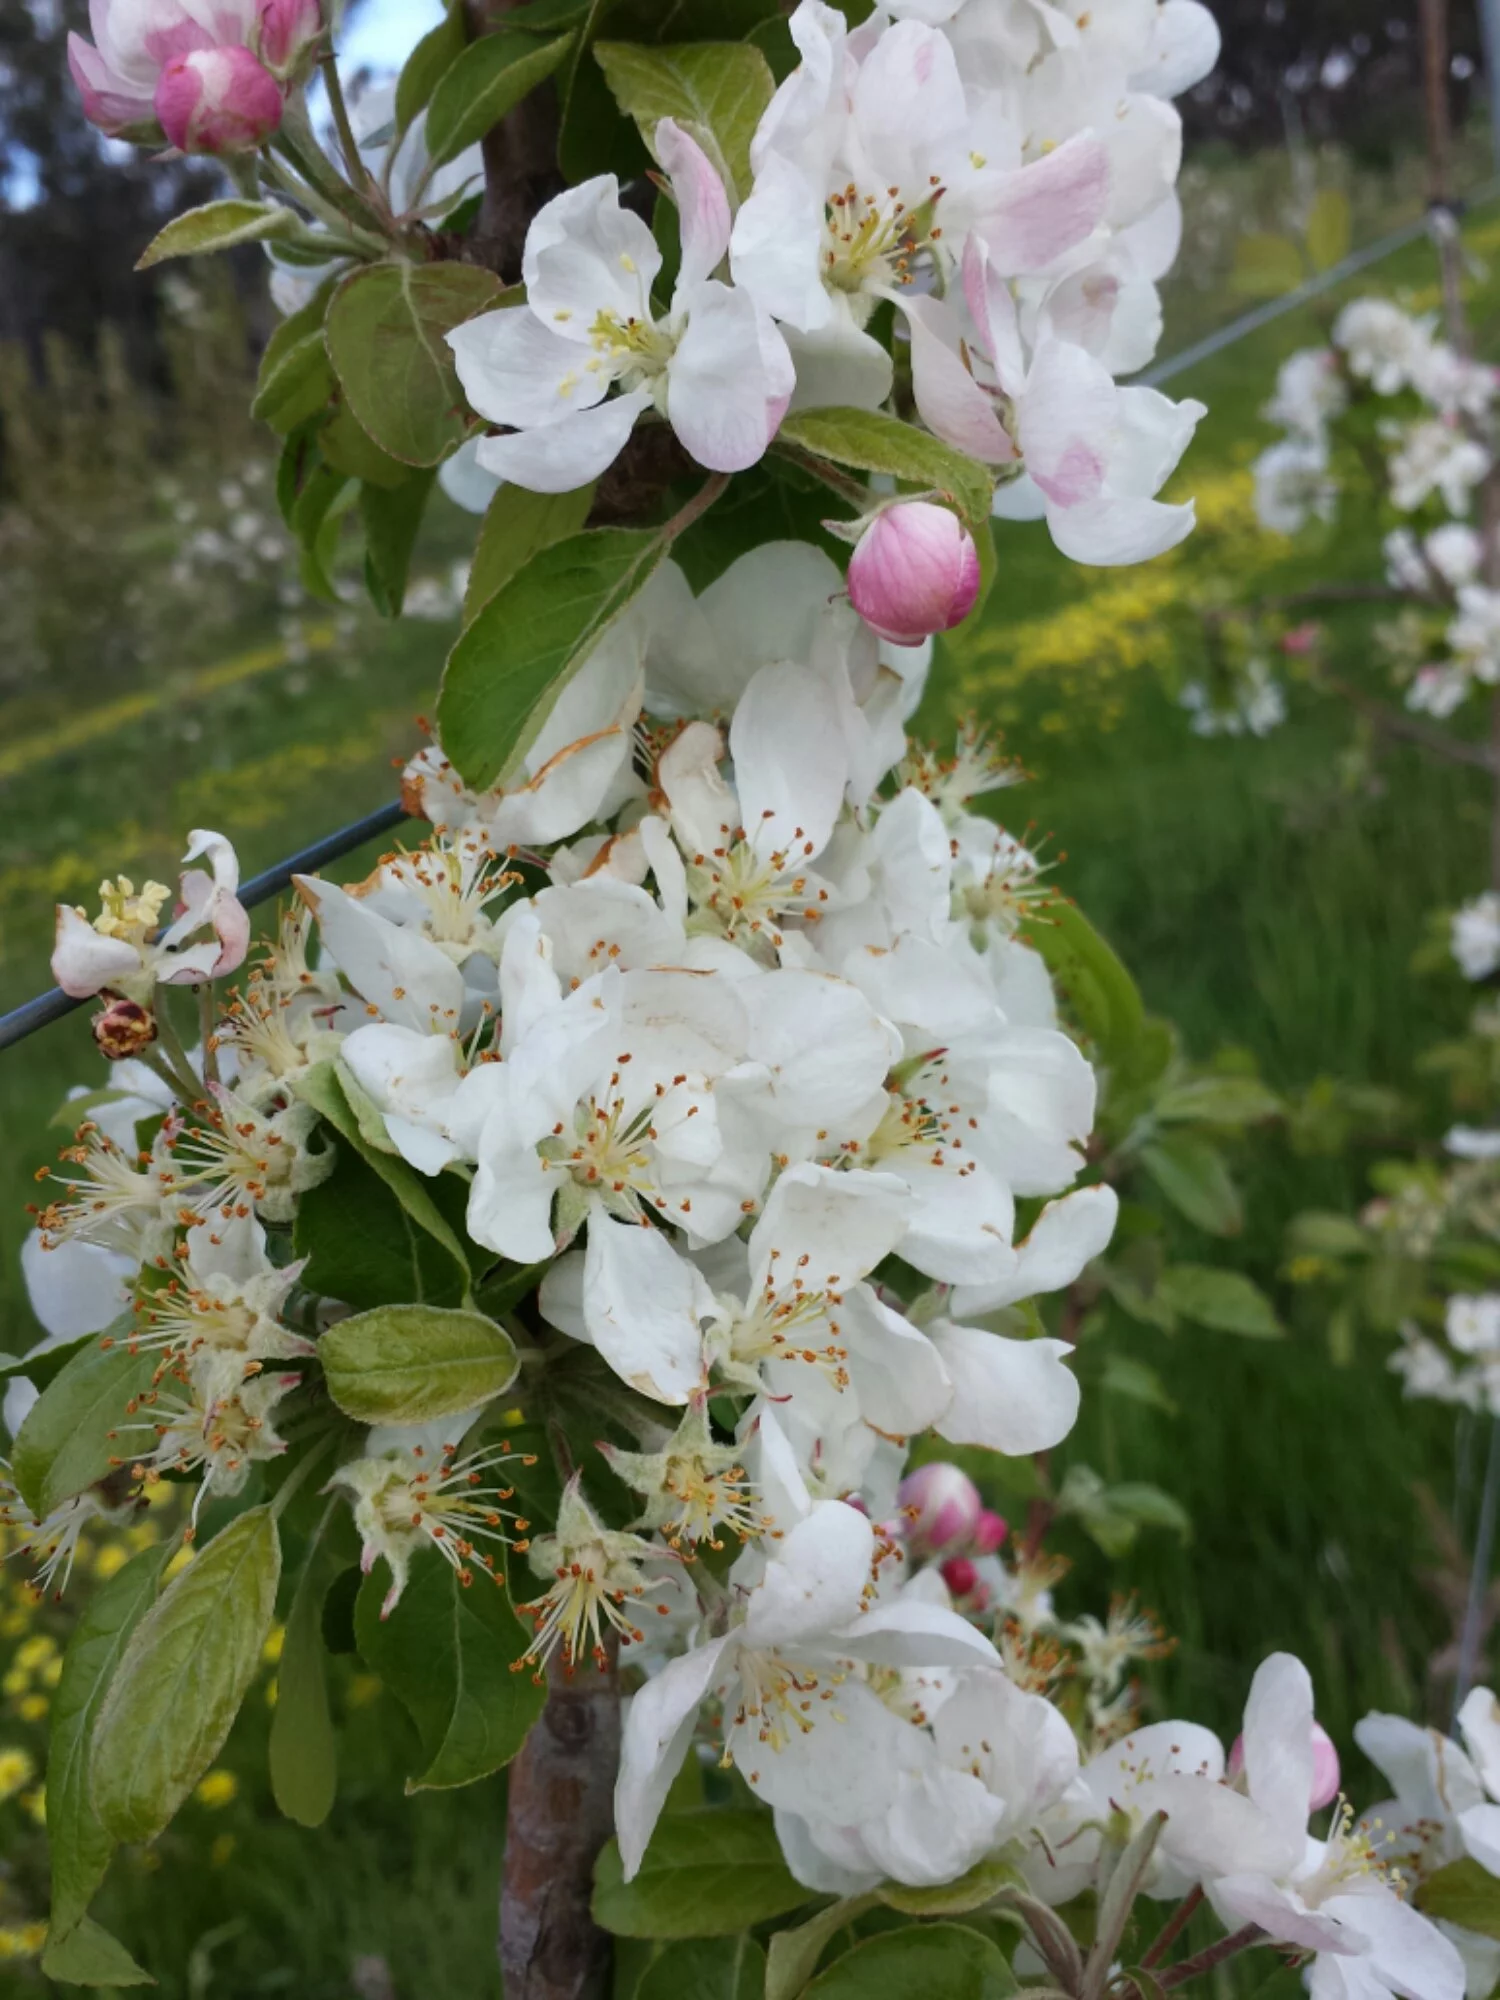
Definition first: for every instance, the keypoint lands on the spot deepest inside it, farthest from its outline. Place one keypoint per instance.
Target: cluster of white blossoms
(1437, 448)
(1003, 176)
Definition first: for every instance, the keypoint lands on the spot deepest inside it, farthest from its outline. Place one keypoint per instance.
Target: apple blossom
(714, 366)
(218, 101)
(126, 950)
(914, 572)
(942, 1505)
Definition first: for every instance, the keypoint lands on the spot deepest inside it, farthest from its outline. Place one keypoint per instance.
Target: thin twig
(1173, 1928)
(1397, 722)
(1215, 1954)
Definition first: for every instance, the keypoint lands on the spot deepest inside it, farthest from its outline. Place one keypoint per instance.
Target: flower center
(873, 241)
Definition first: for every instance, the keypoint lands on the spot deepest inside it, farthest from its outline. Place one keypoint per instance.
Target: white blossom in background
(1475, 935)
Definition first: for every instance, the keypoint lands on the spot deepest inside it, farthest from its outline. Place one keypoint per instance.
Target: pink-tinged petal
(1032, 215)
(908, 103)
(110, 101)
(914, 572)
(717, 393)
(84, 961)
(1107, 533)
(950, 401)
(993, 310)
(218, 101)
(702, 205)
(1065, 420)
(557, 457)
(1145, 152)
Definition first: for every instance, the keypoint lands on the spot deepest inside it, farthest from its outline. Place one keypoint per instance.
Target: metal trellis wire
(54, 1004)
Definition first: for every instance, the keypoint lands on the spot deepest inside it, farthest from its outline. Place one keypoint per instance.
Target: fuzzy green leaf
(296, 376)
(218, 225)
(80, 1428)
(428, 62)
(451, 1655)
(716, 91)
(1463, 1893)
(705, 1874)
(509, 667)
(941, 1959)
(1228, 1301)
(391, 518)
(516, 525)
(385, 340)
(303, 1753)
(409, 1364)
(484, 84)
(1193, 1177)
(80, 1846)
(185, 1671)
(88, 1956)
(731, 1968)
(871, 442)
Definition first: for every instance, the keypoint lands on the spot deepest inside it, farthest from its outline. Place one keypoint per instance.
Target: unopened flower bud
(942, 1506)
(1325, 1771)
(286, 32)
(990, 1531)
(914, 572)
(218, 101)
(123, 1029)
(960, 1576)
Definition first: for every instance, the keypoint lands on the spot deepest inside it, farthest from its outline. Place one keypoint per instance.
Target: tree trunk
(561, 1813)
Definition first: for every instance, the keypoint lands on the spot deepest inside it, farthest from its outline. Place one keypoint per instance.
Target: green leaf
(793, 1955)
(364, 1248)
(88, 1956)
(315, 525)
(716, 91)
(509, 667)
(80, 1846)
(731, 1968)
(1463, 1893)
(303, 1754)
(447, 1654)
(516, 525)
(1122, 1375)
(1265, 266)
(1325, 1233)
(414, 1364)
(185, 1671)
(391, 520)
(296, 377)
(871, 442)
(970, 1891)
(486, 82)
(1192, 1175)
(935, 1959)
(1329, 229)
(348, 447)
(1101, 996)
(438, 49)
(705, 1874)
(385, 340)
(1228, 1301)
(1218, 1100)
(324, 1088)
(80, 1428)
(218, 225)
(44, 1365)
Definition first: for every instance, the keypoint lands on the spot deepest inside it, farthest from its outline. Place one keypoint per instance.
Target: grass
(1264, 897)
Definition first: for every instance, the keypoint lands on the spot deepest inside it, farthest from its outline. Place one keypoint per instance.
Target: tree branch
(1205, 1961)
(1397, 722)
(520, 162)
(560, 1813)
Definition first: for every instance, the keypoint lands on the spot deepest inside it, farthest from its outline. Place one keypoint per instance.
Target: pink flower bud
(218, 101)
(942, 1505)
(286, 32)
(990, 1531)
(1325, 1774)
(915, 571)
(960, 1576)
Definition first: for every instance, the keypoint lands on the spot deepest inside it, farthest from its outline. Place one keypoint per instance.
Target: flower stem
(1173, 1928)
(1215, 1954)
(359, 173)
(699, 505)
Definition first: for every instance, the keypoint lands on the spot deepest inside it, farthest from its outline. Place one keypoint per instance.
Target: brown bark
(520, 164)
(561, 1812)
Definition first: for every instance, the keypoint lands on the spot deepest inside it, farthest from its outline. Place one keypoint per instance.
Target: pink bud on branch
(914, 572)
(286, 33)
(218, 101)
(942, 1506)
